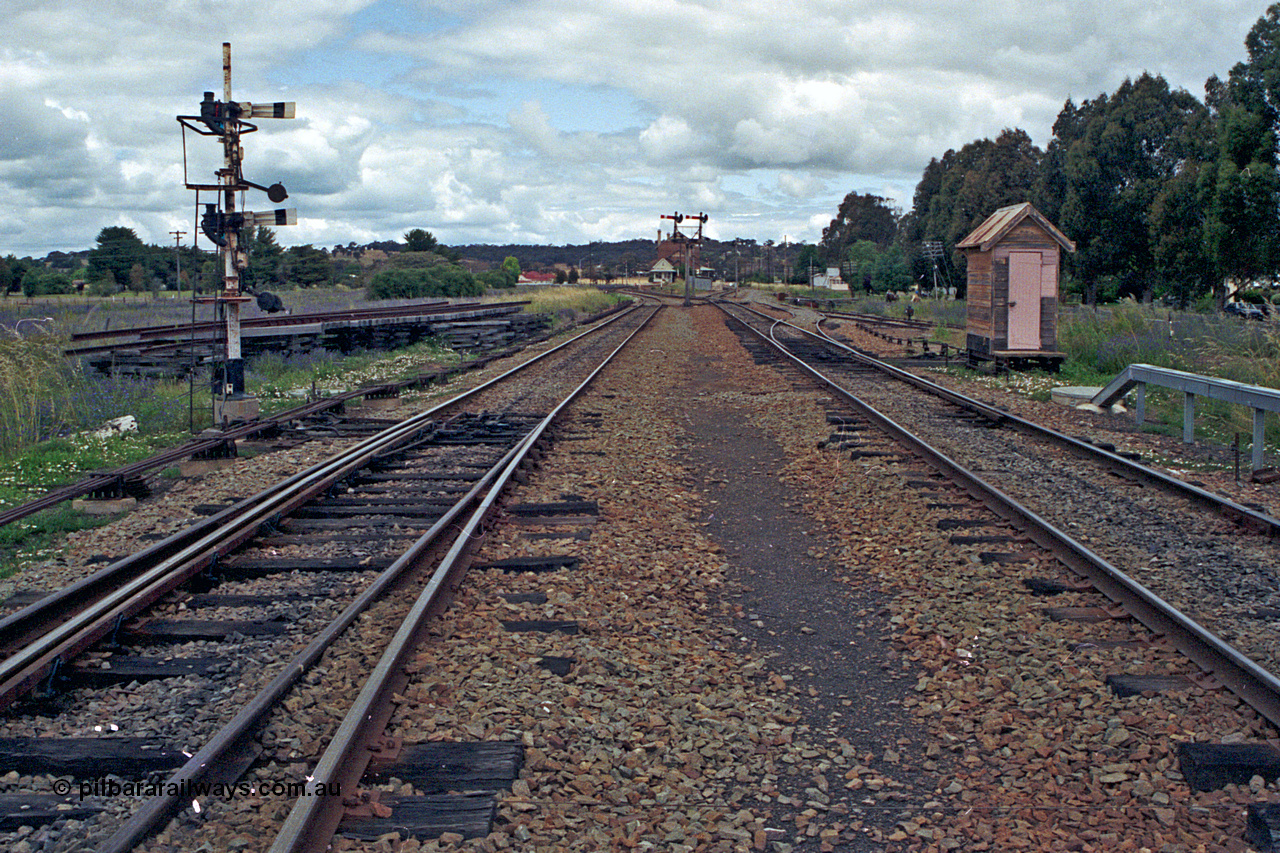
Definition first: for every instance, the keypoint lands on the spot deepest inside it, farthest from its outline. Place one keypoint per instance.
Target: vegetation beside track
(564, 302)
(1102, 341)
(49, 408)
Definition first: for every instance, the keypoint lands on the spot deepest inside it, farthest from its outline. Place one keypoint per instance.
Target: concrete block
(381, 404)
(1074, 395)
(235, 409)
(104, 507)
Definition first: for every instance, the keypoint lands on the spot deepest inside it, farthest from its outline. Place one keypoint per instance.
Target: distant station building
(830, 279)
(1014, 258)
(663, 272)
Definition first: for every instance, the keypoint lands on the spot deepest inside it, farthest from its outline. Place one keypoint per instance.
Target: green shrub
(422, 282)
(41, 282)
(498, 279)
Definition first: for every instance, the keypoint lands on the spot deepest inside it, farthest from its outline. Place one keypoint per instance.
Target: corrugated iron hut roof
(1004, 220)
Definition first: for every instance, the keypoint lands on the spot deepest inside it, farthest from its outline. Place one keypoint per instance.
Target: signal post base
(243, 408)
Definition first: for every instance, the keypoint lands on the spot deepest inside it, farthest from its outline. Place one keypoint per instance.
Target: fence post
(1188, 417)
(1258, 439)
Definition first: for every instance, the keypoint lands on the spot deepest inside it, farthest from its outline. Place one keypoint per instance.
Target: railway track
(276, 579)
(1133, 546)
(315, 417)
(1193, 567)
(644, 720)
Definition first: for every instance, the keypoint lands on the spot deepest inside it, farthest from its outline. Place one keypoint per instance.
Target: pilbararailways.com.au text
(110, 787)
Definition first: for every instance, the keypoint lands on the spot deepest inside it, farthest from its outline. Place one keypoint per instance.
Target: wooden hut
(1014, 258)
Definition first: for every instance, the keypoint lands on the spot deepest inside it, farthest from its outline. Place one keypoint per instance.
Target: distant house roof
(663, 265)
(1000, 223)
(536, 278)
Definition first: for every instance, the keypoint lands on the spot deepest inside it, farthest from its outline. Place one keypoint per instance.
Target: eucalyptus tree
(861, 216)
(1242, 186)
(961, 189)
(117, 251)
(420, 240)
(1109, 161)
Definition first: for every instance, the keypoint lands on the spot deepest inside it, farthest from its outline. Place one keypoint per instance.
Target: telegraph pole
(932, 249)
(177, 261)
(221, 222)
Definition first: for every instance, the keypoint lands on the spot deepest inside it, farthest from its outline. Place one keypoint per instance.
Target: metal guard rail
(1257, 397)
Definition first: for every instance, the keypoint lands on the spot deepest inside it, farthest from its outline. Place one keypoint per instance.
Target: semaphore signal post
(692, 245)
(223, 220)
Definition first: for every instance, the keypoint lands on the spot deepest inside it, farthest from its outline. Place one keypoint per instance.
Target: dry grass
(553, 300)
(35, 381)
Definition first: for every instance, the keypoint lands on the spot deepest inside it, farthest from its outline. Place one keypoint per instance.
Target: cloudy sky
(549, 121)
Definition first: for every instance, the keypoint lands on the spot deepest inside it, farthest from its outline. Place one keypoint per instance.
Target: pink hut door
(1024, 300)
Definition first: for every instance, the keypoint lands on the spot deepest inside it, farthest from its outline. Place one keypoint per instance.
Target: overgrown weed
(579, 300)
(35, 381)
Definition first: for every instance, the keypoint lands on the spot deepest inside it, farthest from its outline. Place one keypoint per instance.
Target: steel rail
(35, 661)
(1251, 518)
(144, 578)
(191, 448)
(872, 319)
(210, 762)
(1240, 674)
(315, 816)
(168, 457)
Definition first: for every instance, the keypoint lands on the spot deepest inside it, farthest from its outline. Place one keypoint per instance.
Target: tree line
(121, 262)
(427, 268)
(1165, 195)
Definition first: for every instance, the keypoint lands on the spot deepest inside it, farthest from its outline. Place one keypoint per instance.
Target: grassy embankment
(1101, 342)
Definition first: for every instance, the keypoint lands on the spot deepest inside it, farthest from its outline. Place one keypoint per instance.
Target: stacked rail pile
(171, 351)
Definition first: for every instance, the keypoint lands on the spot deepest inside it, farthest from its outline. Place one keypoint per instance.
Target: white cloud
(670, 139)
(552, 120)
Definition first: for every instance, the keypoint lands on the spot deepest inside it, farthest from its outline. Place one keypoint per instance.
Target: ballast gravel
(1025, 747)
(705, 713)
